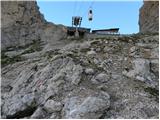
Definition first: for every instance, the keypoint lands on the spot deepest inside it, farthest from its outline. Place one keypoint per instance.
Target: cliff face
(22, 24)
(149, 17)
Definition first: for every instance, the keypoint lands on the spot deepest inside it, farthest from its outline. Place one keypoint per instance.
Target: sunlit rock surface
(149, 17)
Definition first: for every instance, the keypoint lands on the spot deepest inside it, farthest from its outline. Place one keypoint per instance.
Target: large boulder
(91, 107)
(141, 70)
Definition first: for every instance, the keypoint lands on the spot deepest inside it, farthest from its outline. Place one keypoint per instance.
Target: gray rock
(75, 76)
(52, 106)
(89, 71)
(85, 45)
(141, 69)
(91, 108)
(98, 49)
(106, 49)
(54, 116)
(101, 78)
(14, 53)
(154, 67)
(31, 55)
(38, 114)
(13, 107)
(91, 53)
(155, 53)
(53, 35)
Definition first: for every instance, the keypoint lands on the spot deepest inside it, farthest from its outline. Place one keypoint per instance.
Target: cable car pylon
(76, 20)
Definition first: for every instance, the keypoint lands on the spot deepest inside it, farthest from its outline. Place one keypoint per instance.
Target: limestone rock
(154, 67)
(85, 45)
(89, 71)
(106, 49)
(140, 70)
(54, 116)
(52, 106)
(18, 106)
(91, 107)
(91, 53)
(101, 78)
(39, 114)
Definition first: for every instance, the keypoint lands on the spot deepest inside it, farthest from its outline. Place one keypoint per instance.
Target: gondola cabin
(90, 15)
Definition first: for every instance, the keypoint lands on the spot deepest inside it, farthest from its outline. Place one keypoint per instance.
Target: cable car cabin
(82, 31)
(90, 15)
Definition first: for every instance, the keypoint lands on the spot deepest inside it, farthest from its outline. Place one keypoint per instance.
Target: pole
(76, 33)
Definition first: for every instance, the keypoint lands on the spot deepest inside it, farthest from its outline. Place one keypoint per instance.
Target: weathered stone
(52, 106)
(98, 49)
(141, 70)
(19, 106)
(106, 49)
(91, 107)
(39, 114)
(54, 116)
(154, 67)
(75, 76)
(14, 53)
(85, 45)
(91, 53)
(89, 71)
(155, 53)
(101, 78)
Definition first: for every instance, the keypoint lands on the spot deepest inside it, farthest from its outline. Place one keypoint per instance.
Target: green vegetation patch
(35, 46)
(154, 92)
(5, 60)
(85, 50)
(30, 48)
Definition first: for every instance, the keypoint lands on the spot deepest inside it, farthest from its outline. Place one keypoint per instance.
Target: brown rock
(149, 17)
(22, 23)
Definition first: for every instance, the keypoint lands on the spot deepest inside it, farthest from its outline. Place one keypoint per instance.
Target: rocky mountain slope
(98, 76)
(149, 17)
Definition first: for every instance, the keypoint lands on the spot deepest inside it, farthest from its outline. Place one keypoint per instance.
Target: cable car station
(77, 31)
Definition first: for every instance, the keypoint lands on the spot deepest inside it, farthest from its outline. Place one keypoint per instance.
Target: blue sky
(106, 14)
